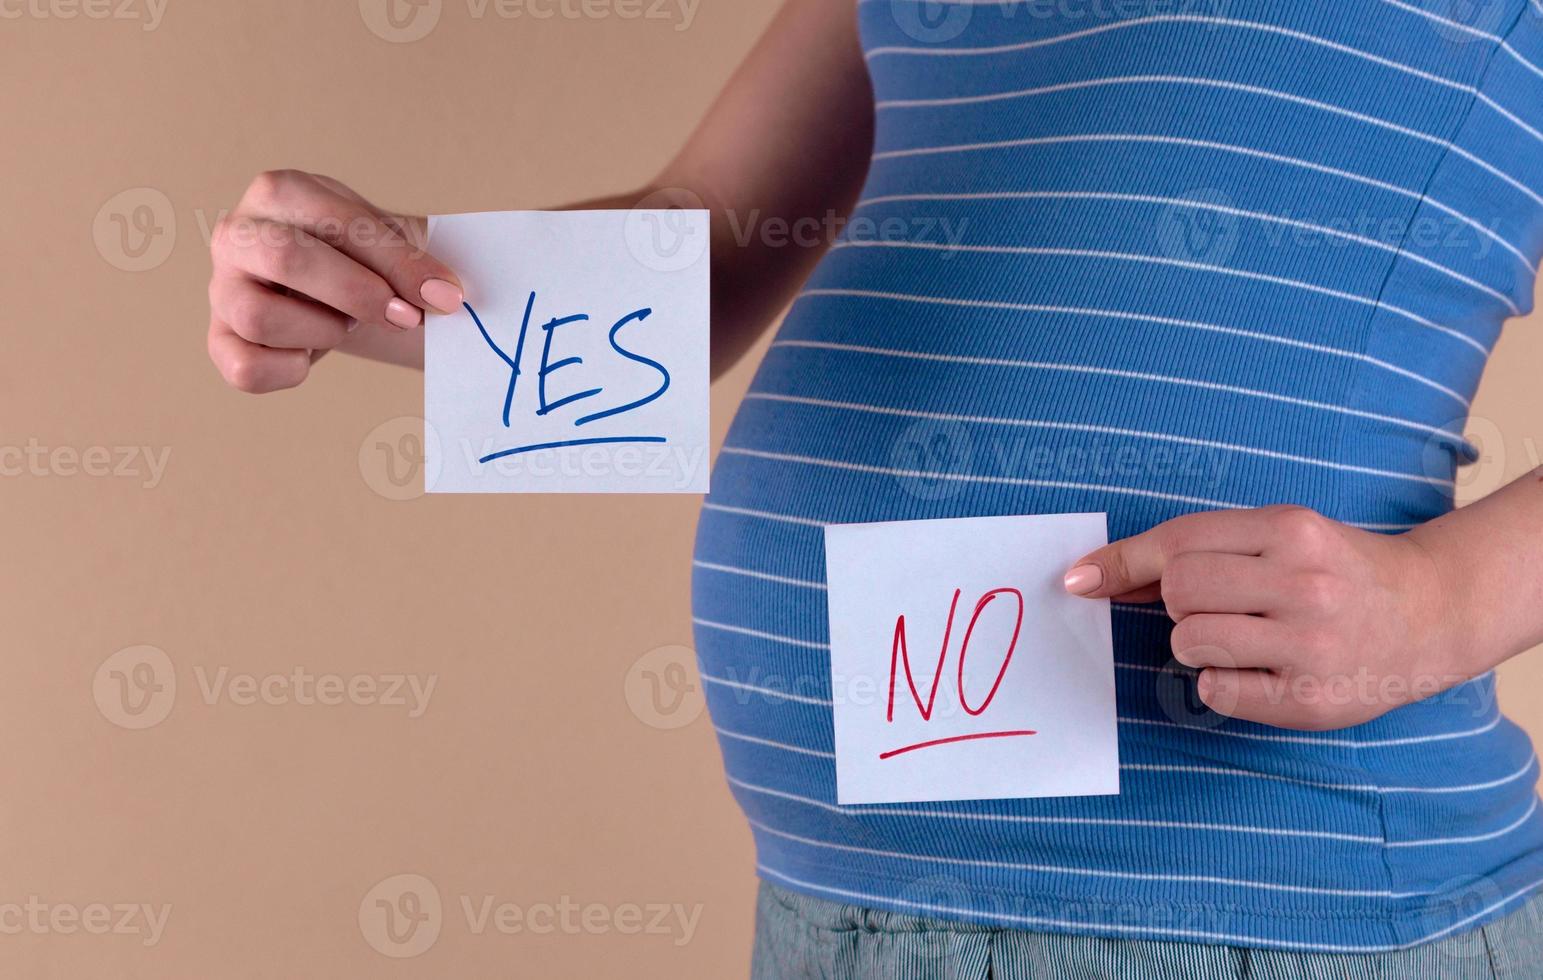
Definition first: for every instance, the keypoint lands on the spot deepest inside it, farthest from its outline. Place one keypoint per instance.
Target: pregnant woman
(1230, 275)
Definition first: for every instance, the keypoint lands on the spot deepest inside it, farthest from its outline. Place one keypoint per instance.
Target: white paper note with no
(581, 364)
(994, 649)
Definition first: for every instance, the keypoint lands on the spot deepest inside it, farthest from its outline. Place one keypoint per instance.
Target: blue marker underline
(571, 442)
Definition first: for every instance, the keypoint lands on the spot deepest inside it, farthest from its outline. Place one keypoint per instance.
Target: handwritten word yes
(546, 402)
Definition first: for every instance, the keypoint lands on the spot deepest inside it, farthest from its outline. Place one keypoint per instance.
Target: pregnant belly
(837, 431)
(862, 411)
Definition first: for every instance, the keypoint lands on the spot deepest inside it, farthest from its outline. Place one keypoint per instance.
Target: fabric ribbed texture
(1175, 260)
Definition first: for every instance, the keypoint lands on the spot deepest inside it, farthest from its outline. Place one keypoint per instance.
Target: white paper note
(581, 361)
(1003, 685)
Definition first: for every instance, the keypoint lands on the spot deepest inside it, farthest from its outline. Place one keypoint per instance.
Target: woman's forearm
(778, 160)
(1490, 558)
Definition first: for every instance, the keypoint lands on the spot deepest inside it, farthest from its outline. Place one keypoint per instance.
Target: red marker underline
(952, 738)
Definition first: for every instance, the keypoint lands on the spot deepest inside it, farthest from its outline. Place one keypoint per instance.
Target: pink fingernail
(1205, 685)
(446, 297)
(1084, 579)
(403, 313)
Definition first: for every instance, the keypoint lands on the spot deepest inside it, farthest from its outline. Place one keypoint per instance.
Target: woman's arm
(788, 141)
(1298, 621)
(786, 144)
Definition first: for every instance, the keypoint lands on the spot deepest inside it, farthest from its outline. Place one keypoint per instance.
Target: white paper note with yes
(581, 361)
(960, 667)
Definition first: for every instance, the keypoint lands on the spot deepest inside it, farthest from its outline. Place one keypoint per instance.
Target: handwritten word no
(900, 659)
(548, 367)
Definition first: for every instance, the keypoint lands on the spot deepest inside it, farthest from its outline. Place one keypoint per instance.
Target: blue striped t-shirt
(1148, 258)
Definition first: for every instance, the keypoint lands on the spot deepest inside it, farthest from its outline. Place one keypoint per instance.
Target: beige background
(266, 547)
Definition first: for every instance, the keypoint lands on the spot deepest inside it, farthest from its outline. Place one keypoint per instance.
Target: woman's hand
(302, 259)
(1294, 620)
(300, 265)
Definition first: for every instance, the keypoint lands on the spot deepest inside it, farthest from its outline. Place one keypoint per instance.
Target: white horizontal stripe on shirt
(1140, 317)
(1220, 147)
(1504, 44)
(768, 692)
(972, 478)
(1006, 818)
(1472, 838)
(868, 810)
(1399, 250)
(1446, 145)
(1428, 430)
(754, 740)
(1079, 872)
(766, 515)
(767, 576)
(1315, 740)
(811, 584)
(1201, 267)
(1445, 21)
(1102, 429)
(759, 634)
(1320, 740)
(1214, 22)
(1345, 787)
(1156, 824)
